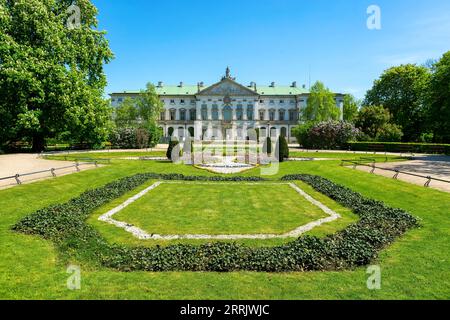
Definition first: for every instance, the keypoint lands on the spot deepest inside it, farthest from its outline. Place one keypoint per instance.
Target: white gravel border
(143, 235)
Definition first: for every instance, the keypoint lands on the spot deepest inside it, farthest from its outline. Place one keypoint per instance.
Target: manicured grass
(415, 267)
(220, 208)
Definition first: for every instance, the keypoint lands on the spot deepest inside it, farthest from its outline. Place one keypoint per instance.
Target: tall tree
(127, 114)
(51, 72)
(439, 99)
(321, 105)
(402, 90)
(351, 108)
(376, 123)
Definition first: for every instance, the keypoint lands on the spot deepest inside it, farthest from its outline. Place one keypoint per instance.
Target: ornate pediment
(227, 87)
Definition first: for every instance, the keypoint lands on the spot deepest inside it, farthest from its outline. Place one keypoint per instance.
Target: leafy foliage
(51, 79)
(321, 105)
(351, 108)
(376, 124)
(402, 90)
(357, 245)
(326, 135)
(439, 100)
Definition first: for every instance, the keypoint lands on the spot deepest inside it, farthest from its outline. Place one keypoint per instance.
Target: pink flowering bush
(330, 135)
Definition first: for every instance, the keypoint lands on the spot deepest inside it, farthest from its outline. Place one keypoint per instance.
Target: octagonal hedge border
(357, 245)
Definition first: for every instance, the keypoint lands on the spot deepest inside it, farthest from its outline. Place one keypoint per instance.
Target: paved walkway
(13, 164)
(434, 166)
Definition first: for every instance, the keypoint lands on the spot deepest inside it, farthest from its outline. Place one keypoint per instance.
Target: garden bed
(357, 245)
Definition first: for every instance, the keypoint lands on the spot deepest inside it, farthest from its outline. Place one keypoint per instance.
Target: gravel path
(13, 164)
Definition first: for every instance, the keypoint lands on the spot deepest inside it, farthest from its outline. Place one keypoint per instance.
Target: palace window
(272, 115)
(204, 112)
(272, 102)
(239, 113)
(173, 114)
(281, 101)
(193, 115)
(192, 101)
(262, 115)
(250, 112)
(183, 115)
(292, 115)
(120, 99)
(182, 101)
(261, 101)
(172, 101)
(281, 114)
(215, 112)
(162, 116)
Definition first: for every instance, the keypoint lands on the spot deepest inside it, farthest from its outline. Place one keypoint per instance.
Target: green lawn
(220, 208)
(415, 267)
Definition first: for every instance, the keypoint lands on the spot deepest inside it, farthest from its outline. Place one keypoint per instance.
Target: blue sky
(268, 40)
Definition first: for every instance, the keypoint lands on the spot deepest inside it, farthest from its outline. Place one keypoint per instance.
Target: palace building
(227, 109)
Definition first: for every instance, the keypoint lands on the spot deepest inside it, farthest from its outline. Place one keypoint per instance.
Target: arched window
(227, 113)
(191, 131)
(170, 131)
(283, 132)
(273, 132)
(180, 132)
(262, 132)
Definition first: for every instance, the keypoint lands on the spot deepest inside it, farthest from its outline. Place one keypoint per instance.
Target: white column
(199, 112)
(220, 110)
(244, 113)
(209, 109)
(233, 112)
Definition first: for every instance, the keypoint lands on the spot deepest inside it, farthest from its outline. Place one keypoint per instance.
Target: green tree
(51, 76)
(376, 123)
(439, 100)
(351, 108)
(402, 90)
(127, 114)
(149, 105)
(321, 105)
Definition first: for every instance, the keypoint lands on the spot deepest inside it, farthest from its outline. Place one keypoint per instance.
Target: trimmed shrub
(267, 146)
(172, 144)
(282, 148)
(357, 245)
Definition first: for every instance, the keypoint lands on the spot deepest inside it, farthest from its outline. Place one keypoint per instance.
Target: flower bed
(357, 245)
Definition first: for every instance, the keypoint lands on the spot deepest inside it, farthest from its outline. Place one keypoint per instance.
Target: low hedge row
(357, 245)
(400, 147)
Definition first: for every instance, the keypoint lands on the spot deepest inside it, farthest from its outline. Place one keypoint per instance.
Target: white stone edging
(143, 235)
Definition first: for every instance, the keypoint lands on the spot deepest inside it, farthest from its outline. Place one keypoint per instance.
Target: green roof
(168, 90)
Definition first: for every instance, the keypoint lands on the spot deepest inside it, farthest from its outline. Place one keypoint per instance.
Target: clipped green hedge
(357, 245)
(400, 147)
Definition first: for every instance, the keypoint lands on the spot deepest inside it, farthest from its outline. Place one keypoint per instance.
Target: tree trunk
(38, 143)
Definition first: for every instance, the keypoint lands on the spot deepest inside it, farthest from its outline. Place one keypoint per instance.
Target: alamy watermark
(74, 19)
(374, 279)
(74, 280)
(374, 19)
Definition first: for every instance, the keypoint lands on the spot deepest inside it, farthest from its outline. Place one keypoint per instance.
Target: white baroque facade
(227, 110)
